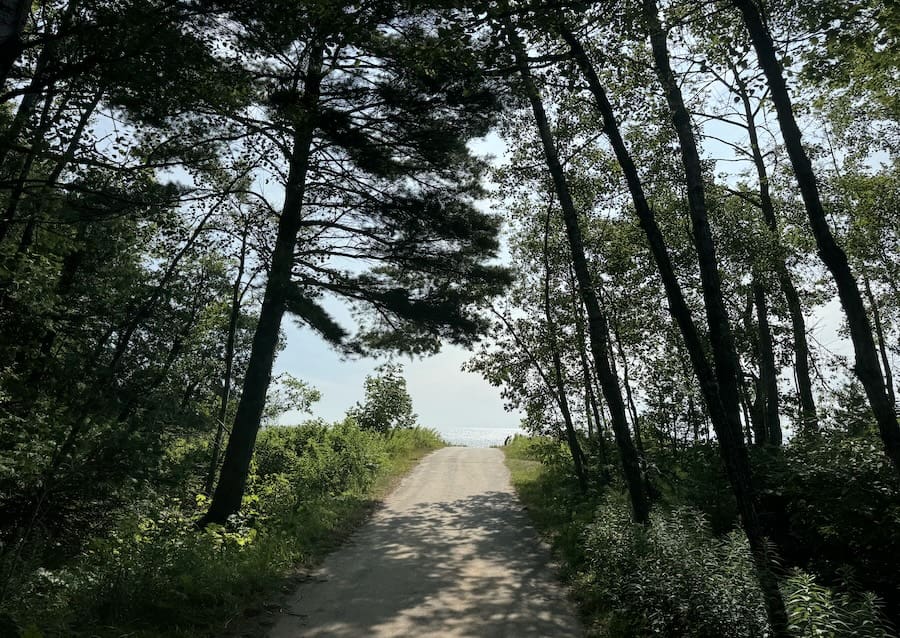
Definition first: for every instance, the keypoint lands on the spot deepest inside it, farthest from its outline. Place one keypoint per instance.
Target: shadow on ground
(465, 567)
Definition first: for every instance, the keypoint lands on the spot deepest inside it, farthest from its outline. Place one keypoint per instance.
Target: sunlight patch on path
(450, 554)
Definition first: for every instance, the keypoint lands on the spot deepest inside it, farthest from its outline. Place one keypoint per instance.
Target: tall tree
(727, 367)
(374, 105)
(598, 328)
(719, 383)
(867, 367)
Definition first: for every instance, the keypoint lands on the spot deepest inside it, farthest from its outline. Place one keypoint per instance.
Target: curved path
(450, 554)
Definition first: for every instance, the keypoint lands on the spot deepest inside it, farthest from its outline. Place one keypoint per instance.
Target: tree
(387, 403)
(833, 256)
(370, 110)
(597, 323)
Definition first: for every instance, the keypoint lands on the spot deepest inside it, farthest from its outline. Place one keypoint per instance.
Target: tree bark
(18, 187)
(229, 491)
(629, 397)
(598, 329)
(723, 350)
(832, 255)
(882, 348)
(233, 316)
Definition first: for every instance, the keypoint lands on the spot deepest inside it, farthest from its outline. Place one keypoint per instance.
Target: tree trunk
(768, 373)
(882, 349)
(590, 404)
(723, 350)
(598, 330)
(229, 491)
(835, 259)
(808, 418)
(18, 187)
(43, 195)
(230, 339)
(571, 435)
(626, 382)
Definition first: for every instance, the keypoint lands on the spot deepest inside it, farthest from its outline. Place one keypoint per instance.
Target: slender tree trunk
(554, 388)
(808, 418)
(879, 333)
(678, 307)
(626, 382)
(44, 195)
(723, 350)
(571, 435)
(598, 329)
(833, 256)
(18, 187)
(727, 424)
(233, 318)
(768, 372)
(229, 491)
(591, 407)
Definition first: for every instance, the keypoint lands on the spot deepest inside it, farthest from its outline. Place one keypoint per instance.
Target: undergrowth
(675, 577)
(155, 575)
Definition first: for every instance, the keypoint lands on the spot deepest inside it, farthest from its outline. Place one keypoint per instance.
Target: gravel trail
(450, 554)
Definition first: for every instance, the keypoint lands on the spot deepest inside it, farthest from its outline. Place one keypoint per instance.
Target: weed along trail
(451, 554)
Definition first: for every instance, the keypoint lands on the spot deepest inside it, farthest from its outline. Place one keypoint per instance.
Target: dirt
(451, 553)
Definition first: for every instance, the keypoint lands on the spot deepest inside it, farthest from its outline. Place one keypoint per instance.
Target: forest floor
(451, 553)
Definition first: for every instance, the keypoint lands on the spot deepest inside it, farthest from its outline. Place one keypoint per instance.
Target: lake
(476, 436)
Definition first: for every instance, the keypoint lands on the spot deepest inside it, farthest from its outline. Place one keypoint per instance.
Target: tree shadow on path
(466, 567)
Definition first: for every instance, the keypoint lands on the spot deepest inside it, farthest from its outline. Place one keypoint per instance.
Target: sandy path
(450, 554)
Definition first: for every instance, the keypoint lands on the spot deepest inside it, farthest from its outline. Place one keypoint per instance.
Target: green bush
(841, 499)
(675, 578)
(815, 611)
(672, 578)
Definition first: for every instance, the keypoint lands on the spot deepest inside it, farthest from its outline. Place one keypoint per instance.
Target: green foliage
(155, 575)
(387, 404)
(818, 611)
(672, 577)
(287, 393)
(676, 576)
(841, 500)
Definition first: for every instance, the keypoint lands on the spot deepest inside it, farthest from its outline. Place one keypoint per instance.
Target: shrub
(675, 578)
(818, 611)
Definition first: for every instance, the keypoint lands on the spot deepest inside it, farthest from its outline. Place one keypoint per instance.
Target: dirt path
(451, 554)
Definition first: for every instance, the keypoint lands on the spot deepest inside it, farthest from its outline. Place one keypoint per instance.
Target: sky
(444, 397)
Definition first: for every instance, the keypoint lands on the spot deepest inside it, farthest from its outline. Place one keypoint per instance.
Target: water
(477, 436)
